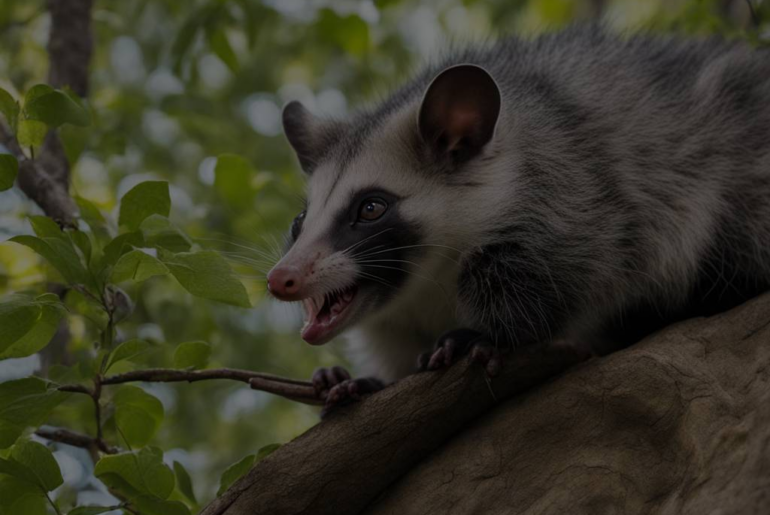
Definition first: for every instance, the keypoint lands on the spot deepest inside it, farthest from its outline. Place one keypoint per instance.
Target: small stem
(55, 507)
(96, 396)
(292, 389)
(74, 439)
(75, 388)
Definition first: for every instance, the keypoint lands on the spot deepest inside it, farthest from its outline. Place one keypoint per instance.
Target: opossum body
(579, 187)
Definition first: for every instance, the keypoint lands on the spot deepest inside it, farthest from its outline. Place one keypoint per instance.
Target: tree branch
(37, 183)
(293, 389)
(358, 450)
(45, 180)
(70, 44)
(76, 440)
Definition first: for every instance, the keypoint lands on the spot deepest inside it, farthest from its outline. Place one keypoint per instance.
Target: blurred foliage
(183, 124)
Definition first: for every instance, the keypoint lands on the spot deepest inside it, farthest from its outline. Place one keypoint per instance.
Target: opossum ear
(459, 111)
(308, 135)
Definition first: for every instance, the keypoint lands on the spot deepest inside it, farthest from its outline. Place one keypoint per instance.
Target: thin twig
(96, 395)
(75, 388)
(76, 440)
(300, 391)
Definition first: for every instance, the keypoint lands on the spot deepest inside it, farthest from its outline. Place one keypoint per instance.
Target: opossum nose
(284, 282)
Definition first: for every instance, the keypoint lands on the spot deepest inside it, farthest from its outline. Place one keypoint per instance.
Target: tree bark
(339, 466)
(45, 179)
(677, 423)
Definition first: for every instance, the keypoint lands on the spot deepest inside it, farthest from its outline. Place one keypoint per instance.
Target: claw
(324, 379)
(488, 356)
(349, 390)
(453, 345)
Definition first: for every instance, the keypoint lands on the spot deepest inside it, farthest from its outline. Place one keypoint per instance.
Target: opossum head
(387, 206)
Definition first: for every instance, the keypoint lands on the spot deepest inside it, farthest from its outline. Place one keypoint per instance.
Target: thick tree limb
(37, 183)
(293, 389)
(70, 44)
(339, 466)
(45, 180)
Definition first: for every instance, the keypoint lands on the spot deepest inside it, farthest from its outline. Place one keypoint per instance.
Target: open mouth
(325, 314)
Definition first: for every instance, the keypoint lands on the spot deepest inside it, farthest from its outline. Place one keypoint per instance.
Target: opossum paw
(324, 379)
(486, 354)
(349, 390)
(453, 345)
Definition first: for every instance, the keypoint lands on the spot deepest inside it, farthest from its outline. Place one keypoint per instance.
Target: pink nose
(284, 282)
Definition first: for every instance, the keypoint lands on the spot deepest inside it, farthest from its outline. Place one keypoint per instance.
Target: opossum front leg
(512, 297)
(337, 388)
(453, 345)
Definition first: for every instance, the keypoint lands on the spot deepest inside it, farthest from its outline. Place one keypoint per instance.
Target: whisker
(351, 247)
(255, 250)
(375, 278)
(368, 254)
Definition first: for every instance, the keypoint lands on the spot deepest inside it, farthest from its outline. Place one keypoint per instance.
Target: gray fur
(627, 185)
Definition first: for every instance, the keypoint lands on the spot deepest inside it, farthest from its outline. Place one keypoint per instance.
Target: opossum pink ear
(309, 135)
(459, 111)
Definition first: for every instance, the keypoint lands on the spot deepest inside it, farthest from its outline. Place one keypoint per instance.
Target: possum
(579, 187)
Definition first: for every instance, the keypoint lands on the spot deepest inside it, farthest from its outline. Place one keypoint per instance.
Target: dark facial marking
(380, 246)
(296, 225)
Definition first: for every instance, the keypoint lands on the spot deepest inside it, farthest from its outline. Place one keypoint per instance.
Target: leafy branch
(92, 263)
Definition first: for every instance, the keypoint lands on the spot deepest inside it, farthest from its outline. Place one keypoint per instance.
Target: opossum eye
(296, 225)
(372, 209)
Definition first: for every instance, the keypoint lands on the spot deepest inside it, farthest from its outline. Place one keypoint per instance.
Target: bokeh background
(177, 83)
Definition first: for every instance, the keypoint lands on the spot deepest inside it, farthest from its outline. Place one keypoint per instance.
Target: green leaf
(15, 469)
(125, 351)
(159, 232)
(28, 324)
(350, 32)
(60, 254)
(138, 414)
(219, 43)
(21, 498)
(152, 506)
(120, 245)
(82, 244)
(192, 355)
(90, 308)
(206, 274)
(45, 227)
(137, 266)
(144, 199)
(266, 451)
(232, 180)
(39, 460)
(184, 482)
(234, 472)
(9, 168)
(37, 91)
(91, 510)
(54, 107)
(75, 141)
(31, 133)
(89, 213)
(9, 107)
(186, 34)
(137, 474)
(18, 314)
(24, 403)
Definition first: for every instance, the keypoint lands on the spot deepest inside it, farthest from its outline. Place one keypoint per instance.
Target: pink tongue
(312, 331)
